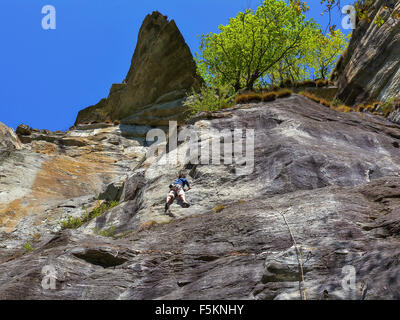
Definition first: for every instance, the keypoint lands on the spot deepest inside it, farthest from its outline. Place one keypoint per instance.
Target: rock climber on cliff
(177, 190)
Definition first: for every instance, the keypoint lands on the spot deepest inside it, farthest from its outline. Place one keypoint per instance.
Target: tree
(326, 52)
(315, 61)
(254, 43)
(293, 68)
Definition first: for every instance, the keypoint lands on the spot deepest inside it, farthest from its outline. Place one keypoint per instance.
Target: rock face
(329, 178)
(8, 139)
(53, 175)
(161, 73)
(370, 69)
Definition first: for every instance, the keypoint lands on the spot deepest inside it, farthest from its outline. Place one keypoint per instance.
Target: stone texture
(191, 258)
(56, 174)
(334, 175)
(161, 72)
(8, 139)
(370, 69)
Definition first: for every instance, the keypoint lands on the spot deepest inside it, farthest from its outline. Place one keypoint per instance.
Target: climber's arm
(185, 182)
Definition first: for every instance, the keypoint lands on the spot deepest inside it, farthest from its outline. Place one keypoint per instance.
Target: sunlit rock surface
(334, 176)
(370, 69)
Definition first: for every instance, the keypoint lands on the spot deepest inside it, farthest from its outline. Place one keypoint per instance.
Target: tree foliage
(362, 8)
(253, 42)
(315, 61)
(326, 51)
(266, 46)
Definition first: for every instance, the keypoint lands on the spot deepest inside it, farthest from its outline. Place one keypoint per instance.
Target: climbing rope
(302, 285)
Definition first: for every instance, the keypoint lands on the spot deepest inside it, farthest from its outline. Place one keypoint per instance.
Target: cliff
(329, 178)
(370, 69)
(8, 139)
(323, 185)
(162, 72)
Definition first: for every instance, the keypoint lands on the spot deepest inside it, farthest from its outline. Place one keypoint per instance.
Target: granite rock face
(55, 175)
(243, 252)
(161, 73)
(8, 139)
(331, 179)
(370, 69)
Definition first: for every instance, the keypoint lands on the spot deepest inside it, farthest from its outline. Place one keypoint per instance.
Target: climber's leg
(182, 197)
(170, 199)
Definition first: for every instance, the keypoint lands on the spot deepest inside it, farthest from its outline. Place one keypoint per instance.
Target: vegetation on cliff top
(274, 45)
(267, 46)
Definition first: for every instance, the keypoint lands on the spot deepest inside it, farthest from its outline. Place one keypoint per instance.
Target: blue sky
(47, 76)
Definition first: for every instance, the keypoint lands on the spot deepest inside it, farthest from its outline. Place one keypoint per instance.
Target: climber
(177, 190)
(370, 171)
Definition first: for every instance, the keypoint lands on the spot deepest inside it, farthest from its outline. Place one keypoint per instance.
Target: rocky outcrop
(23, 130)
(161, 73)
(8, 139)
(370, 69)
(243, 252)
(53, 175)
(328, 178)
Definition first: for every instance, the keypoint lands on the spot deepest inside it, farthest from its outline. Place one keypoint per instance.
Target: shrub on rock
(268, 96)
(284, 93)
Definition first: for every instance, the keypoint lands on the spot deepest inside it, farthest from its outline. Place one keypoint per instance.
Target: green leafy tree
(294, 68)
(326, 51)
(249, 49)
(316, 60)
